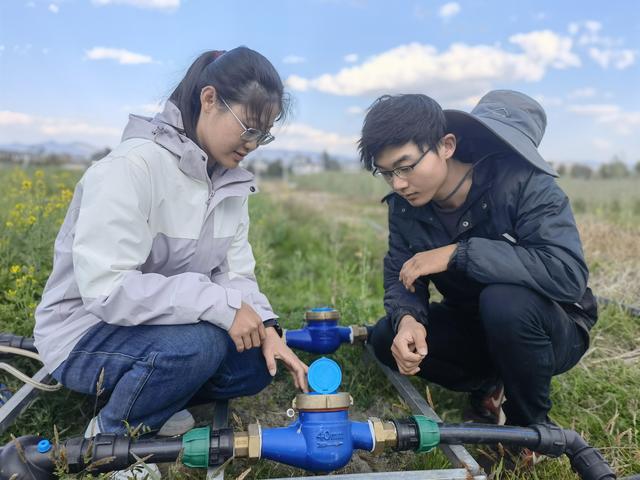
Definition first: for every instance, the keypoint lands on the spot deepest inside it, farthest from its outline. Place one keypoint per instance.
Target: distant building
(303, 165)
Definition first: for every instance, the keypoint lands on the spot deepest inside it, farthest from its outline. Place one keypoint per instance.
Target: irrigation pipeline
(306, 443)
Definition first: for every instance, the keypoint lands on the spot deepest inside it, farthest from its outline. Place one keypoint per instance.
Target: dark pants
(516, 335)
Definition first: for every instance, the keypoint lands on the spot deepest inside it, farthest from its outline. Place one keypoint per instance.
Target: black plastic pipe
(453, 434)
(81, 451)
(550, 440)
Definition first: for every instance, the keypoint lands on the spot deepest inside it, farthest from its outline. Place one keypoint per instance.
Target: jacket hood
(167, 130)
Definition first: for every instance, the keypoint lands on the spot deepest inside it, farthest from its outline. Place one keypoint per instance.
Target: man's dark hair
(394, 120)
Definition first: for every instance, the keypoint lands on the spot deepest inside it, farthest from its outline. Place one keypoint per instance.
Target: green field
(320, 242)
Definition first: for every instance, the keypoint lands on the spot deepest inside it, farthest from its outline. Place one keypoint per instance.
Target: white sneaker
(92, 429)
(143, 471)
(178, 423)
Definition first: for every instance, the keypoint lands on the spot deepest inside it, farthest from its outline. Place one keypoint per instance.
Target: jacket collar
(167, 130)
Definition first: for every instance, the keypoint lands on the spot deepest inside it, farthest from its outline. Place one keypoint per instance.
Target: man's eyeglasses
(400, 172)
(251, 134)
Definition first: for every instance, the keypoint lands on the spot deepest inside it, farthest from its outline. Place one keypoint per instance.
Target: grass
(321, 243)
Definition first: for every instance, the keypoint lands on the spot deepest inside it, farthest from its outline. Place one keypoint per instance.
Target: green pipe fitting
(195, 445)
(429, 433)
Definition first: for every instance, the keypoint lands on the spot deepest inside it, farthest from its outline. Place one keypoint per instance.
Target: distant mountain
(79, 151)
(289, 156)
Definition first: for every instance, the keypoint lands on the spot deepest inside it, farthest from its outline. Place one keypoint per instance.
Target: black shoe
(485, 405)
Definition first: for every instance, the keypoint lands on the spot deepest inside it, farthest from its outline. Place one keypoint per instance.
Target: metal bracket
(21, 400)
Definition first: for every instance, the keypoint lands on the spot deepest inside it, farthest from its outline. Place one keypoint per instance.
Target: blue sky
(71, 70)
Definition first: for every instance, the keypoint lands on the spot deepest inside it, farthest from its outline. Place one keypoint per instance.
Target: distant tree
(57, 159)
(275, 169)
(616, 168)
(562, 169)
(581, 171)
(636, 168)
(329, 163)
(100, 154)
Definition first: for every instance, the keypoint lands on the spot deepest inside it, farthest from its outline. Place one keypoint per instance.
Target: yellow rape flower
(26, 184)
(31, 220)
(14, 268)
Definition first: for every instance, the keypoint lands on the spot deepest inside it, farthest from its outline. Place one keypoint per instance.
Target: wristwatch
(273, 322)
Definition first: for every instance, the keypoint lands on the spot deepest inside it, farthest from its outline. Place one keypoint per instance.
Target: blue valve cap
(44, 446)
(325, 376)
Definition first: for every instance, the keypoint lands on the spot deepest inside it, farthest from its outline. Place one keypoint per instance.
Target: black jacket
(517, 228)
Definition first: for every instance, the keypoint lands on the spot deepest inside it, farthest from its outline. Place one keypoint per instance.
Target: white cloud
(45, 51)
(25, 125)
(293, 59)
(602, 144)
(152, 108)
(351, 58)
(619, 59)
(53, 8)
(547, 101)
(585, 92)
(8, 117)
(449, 10)
(573, 28)
(298, 83)
(460, 72)
(547, 48)
(606, 51)
(302, 137)
(623, 122)
(355, 110)
(22, 49)
(122, 56)
(151, 4)
(595, 109)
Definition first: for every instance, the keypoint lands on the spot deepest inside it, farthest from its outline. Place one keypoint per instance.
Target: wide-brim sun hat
(512, 117)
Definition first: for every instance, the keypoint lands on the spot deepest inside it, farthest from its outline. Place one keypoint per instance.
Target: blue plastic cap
(44, 446)
(324, 376)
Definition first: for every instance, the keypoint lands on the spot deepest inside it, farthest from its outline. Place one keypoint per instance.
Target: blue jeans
(153, 371)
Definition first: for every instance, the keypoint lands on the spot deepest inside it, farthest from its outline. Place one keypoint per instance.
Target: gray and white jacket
(149, 238)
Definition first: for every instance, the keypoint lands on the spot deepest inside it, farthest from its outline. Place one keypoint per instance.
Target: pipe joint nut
(384, 433)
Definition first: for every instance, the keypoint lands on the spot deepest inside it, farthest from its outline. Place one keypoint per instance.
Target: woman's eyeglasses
(251, 134)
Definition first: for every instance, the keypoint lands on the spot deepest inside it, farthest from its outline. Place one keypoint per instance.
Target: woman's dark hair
(394, 120)
(239, 76)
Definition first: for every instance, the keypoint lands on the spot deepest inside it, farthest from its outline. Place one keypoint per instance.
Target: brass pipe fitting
(304, 401)
(384, 433)
(360, 333)
(311, 316)
(241, 444)
(248, 444)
